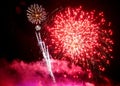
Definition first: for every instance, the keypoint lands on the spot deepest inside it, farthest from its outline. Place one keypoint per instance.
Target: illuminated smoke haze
(20, 73)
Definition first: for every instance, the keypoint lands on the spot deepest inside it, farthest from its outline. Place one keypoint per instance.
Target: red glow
(18, 10)
(80, 36)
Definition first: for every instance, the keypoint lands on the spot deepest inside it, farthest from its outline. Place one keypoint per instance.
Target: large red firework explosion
(81, 37)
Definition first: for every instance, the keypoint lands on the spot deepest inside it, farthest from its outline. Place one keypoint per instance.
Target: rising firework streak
(36, 14)
(44, 50)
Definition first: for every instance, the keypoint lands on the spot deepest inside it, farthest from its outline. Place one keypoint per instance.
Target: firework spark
(80, 36)
(36, 14)
(45, 52)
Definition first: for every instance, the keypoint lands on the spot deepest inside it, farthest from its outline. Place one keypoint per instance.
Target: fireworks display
(81, 37)
(36, 14)
(60, 43)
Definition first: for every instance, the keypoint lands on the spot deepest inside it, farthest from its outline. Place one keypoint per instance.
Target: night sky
(17, 36)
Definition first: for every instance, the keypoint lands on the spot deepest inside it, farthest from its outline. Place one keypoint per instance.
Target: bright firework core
(36, 14)
(80, 36)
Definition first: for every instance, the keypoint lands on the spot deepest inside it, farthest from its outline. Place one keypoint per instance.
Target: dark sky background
(17, 34)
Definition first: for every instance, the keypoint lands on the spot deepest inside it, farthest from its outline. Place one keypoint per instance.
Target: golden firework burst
(36, 14)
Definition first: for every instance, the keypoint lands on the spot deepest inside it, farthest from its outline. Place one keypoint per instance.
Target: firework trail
(36, 14)
(45, 52)
(81, 37)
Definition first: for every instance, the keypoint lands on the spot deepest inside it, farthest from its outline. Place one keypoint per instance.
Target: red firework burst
(80, 36)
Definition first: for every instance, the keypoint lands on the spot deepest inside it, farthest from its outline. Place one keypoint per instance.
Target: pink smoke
(20, 73)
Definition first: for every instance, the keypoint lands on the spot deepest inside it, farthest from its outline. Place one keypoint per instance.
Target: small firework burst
(80, 36)
(36, 14)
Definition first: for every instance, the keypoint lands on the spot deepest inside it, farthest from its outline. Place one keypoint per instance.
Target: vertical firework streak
(36, 14)
(81, 37)
(45, 52)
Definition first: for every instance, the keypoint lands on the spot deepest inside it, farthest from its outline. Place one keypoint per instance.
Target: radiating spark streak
(81, 37)
(36, 14)
(45, 53)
